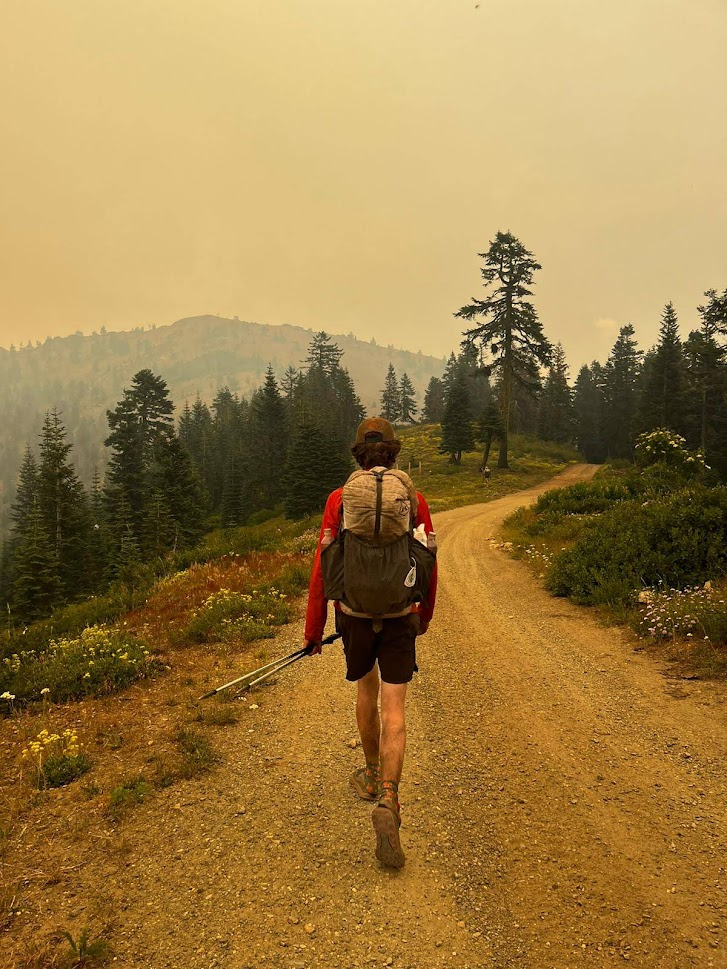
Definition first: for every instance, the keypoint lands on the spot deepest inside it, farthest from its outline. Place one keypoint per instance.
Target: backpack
(375, 567)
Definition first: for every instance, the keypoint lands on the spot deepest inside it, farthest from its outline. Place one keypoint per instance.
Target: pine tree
(620, 395)
(196, 434)
(228, 431)
(348, 409)
(63, 506)
(173, 478)
(450, 370)
(316, 467)
(706, 360)
(555, 418)
(588, 412)
(128, 565)
(289, 388)
(160, 529)
(512, 334)
(490, 428)
(141, 419)
(664, 381)
(391, 396)
(185, 425)
(714, 315)
(407, 400)
(325, 398)
(26, 492)
(26, 497)
(323, 354)
(433, 410)
(270, 442)
(478, 381)
(99, 541)
(457, 435)
(37, 587)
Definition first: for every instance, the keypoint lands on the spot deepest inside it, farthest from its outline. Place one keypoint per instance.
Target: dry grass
(140, 741)
(446, 485)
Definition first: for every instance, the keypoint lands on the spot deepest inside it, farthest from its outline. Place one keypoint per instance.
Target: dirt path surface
(564, 805)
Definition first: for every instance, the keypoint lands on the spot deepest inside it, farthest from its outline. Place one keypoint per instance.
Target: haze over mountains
(84, 375)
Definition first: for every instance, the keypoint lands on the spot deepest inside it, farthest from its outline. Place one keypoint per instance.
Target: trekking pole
(269, 668)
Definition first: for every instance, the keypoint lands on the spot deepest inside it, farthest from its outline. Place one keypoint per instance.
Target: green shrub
(294, 578)
(66, 621)
(61, 770)
(675, 541)
(227, 615)
(198, 755)
(587, 497)
(100, 660)
(55, 759)
(127, 795)
(665, 447)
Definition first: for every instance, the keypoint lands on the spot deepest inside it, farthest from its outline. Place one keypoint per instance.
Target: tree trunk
(503, 449)
(507, 374)
(488, 445)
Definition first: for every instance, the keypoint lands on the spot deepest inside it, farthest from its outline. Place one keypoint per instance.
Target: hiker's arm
(426, 610)
(316, 613)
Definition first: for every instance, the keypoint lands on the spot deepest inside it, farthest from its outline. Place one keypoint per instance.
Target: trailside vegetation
(648, 542)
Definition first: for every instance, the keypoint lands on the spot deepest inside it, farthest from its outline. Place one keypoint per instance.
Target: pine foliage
(391, 396)
(433, 409)
(408, 406)
(457, 432)
(511, 335)
(555, 418)
(664, 381)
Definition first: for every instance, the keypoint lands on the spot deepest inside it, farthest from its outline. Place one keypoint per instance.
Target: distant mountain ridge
(83, 375)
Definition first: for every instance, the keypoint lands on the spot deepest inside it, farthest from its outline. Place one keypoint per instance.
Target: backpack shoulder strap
(379, 475)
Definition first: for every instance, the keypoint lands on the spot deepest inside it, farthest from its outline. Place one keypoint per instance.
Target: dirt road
(564, 805)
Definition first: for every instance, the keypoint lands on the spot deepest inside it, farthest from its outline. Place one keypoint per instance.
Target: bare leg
(386, 815)
(367, 715)
(393, 732)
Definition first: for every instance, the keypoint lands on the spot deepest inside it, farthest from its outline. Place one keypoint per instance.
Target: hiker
(375, 559)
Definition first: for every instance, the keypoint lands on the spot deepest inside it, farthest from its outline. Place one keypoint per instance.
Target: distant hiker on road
(376, 559)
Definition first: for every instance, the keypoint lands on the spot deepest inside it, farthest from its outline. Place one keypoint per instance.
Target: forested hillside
(82, 376)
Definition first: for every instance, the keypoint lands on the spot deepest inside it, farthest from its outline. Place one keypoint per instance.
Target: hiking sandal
(387, 821)
(366, 783)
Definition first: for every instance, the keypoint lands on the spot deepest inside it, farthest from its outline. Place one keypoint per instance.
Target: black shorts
(394, 647)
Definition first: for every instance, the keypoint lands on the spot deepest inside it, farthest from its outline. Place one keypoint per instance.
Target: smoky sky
(339, 164)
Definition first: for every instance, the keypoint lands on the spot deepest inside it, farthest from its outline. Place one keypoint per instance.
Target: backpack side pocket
(332, 568)
(425, 561)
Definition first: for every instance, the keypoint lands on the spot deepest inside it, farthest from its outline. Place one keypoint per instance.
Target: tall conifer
(511, 336)
(664, 382)
(555, 417)
(391, 396)
(457, 434)
(588, 412)
(620, 394)
(433, 409)
(407, 400)
(63, 507)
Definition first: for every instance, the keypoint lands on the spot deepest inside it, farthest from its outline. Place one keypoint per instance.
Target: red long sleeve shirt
(316, 613)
